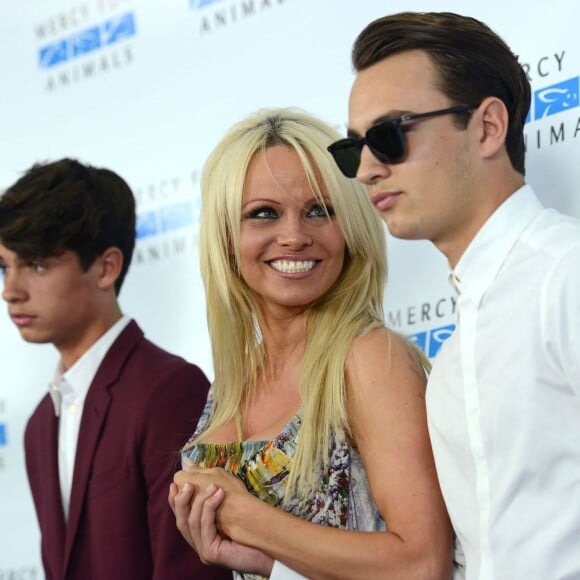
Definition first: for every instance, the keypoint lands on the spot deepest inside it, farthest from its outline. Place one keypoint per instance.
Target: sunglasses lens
(387, 142)
(346, 154)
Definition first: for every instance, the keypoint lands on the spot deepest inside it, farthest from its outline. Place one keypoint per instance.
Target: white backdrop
(147, 88)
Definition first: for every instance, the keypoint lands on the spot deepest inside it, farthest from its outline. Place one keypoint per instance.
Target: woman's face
(291, 249)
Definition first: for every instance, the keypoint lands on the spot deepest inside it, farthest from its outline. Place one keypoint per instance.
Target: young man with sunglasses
(436, 119)
(101, 446)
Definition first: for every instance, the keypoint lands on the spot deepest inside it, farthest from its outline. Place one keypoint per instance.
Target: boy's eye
(37, 265)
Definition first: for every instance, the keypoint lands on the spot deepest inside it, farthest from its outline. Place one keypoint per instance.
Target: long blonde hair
(352, 306)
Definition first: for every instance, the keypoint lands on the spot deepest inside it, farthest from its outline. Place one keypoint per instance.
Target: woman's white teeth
(292, 266)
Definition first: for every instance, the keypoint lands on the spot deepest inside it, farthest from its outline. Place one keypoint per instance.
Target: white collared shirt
(503, 398)
(68, 391)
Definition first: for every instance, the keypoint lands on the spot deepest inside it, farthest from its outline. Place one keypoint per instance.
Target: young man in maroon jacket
(101, 447)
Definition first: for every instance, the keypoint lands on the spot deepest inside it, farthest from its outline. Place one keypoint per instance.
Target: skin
(283, 222)
(387, 412)
(227, 525)
(452, 179)
(52, 300)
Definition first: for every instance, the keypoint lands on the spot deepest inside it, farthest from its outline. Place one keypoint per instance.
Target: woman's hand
(202, 477)
(195, 504)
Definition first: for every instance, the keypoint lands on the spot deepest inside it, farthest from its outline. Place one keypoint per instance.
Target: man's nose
(13, 288)
(370, 168)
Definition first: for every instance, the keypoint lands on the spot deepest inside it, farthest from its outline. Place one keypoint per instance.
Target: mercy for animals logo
(84, 43)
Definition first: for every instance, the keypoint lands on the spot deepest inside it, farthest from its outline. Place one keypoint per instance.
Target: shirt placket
(469, 313)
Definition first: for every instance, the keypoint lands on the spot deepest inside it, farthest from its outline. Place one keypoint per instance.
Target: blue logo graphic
(165, 219)
(430, 341)
(199, 4)
(3, 438)
(85, 41)
(53, 54)
(119, 28)
(555, 99)
(109, 32)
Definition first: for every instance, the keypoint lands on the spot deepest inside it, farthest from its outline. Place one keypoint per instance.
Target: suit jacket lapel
(45, 458)
(94, 415)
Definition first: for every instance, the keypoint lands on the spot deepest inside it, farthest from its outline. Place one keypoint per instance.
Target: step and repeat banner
(147, 88)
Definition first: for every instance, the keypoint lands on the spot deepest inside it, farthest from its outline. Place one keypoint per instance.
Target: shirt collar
(74, 382)
(486, 253)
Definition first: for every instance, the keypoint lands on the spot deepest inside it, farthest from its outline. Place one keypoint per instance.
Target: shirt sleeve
(561, 305)
(282, 572)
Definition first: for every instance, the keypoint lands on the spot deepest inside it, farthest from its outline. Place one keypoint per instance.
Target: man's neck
(71, 353)
(455, 246)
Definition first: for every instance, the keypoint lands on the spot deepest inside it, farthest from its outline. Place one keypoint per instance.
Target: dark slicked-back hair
(66, 205)
(473, 63)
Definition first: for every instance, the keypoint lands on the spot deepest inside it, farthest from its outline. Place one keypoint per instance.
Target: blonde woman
(317, 412)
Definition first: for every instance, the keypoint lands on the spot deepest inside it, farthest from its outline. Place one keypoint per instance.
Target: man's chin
(33, 337)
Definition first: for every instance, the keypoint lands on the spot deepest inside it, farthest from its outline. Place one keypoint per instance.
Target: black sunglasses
(386, 140)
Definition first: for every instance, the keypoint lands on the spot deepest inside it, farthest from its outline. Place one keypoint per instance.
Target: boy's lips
(22, 319)
(385, 199)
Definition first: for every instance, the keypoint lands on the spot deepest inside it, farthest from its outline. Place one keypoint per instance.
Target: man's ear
(110, 266)
(494, 121)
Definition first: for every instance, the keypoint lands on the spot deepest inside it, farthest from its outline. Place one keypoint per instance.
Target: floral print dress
(341, 500)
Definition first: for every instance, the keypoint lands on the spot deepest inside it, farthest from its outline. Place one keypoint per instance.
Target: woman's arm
(386, 410)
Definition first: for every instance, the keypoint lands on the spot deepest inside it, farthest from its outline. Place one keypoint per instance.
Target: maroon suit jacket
(140, 408)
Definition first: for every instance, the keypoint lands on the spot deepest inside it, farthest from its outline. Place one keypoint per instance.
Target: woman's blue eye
(262, 213)
(319, 210)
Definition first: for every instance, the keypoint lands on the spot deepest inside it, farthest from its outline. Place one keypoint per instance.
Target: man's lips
(385, 199)
(22, 319)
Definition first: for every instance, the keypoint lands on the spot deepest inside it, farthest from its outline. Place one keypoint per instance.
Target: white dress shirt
(282, 572)
(503, 398)
(68, 390)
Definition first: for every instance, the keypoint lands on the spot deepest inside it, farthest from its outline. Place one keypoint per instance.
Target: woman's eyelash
(324, 211)
(261, 213)
(267, 212)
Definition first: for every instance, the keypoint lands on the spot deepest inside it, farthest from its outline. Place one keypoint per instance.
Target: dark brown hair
(66, 205)
(473, 63)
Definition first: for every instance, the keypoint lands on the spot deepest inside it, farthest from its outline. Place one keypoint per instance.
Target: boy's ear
(494, 123)
(111, 264)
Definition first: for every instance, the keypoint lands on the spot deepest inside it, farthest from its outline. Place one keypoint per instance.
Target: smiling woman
(291, 247)
(316, 414)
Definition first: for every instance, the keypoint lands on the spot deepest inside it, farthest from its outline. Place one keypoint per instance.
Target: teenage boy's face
(50, 300)
(429, 195)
